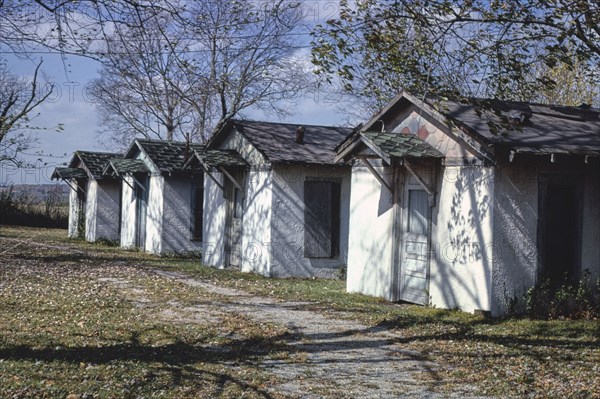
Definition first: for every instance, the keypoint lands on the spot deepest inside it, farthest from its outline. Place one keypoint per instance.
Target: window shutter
(318, 219)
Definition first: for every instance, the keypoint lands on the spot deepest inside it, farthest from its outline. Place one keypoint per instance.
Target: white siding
(370, 236)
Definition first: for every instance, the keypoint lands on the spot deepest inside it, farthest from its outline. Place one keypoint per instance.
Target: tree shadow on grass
(179, 359)
(539, 337)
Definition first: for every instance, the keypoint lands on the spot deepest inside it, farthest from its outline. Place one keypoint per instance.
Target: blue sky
(70, 107)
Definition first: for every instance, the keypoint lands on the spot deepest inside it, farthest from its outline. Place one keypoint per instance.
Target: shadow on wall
(213, 229)
(370, 258)
(465, 258)
(177, 218)
(288, 225)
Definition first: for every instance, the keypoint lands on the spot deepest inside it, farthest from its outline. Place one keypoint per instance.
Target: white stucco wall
(213, 226)
(177, 216)
(515, 233)
(516, 212)
(90, 210)
(370, 241)
(461, 256)
(127, 213)
(288, 224)
(462, 239)
(154, 215)
(73, 209)
(256, 227)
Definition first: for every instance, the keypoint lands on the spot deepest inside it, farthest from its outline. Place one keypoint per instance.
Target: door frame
(142, 185)
(400, 194)
(229, 190)
(569, 179)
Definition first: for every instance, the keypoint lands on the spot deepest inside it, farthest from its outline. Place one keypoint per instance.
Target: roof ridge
(289, 124)
(98, 152)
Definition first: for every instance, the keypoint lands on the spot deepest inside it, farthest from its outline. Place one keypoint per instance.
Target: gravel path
(350, 359)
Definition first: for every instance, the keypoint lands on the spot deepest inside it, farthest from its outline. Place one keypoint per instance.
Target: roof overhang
(68, 174)
(120, 167)
(387, 146)
(221, 160)
(208, 159)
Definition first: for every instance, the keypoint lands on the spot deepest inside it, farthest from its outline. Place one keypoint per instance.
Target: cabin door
(141, 210)
(81, 207)
(234, 199)
(559, 229)
(414, 254)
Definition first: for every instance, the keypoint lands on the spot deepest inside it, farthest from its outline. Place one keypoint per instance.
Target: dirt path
(344, 356)
(333, 357)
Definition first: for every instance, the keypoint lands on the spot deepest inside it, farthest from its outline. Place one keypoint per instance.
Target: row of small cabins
(446, 203)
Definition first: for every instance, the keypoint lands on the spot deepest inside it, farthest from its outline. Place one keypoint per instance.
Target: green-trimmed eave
(120, 166)
(388, 146)
(207, 159)
(68, 174)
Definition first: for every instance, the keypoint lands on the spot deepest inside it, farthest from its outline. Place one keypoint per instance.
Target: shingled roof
(92, 162)
(167, 156)
(519, 126)
(527, 127)
(277, 141)
(401, 145)
(205, 159)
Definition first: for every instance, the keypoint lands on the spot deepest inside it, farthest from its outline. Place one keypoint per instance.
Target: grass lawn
(65, 333)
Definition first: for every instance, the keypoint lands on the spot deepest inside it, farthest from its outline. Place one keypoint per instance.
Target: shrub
(22, 209)
(572, 301)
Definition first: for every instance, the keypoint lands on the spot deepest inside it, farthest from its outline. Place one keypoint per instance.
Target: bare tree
(244, 55)
(142, 90)
(192, 73)
(18, 99)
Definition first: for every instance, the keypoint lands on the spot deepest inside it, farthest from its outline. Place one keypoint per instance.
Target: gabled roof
(519, 126)
(206, 159)
(277, 141)
(92, 162)
(167, 156)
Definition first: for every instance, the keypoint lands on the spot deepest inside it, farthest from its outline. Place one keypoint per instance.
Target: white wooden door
(414, 254)
(141, 210)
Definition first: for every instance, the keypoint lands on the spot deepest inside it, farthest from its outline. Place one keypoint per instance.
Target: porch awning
(392, 145)
(388, 146)
(207, 159)
(121, 166)
(68, 173)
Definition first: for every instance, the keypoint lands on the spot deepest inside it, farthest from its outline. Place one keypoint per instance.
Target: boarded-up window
(321, 219)
(197, 211)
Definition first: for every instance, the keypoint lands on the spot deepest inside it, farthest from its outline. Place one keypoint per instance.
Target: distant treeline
(21, 206)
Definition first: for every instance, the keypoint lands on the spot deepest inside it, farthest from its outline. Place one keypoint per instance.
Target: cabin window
(321, 218)
(197, 211)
